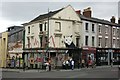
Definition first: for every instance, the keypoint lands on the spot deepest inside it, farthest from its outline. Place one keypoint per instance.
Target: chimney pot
(78, 12)
(119, 21)
(87, 12)
(113, 19)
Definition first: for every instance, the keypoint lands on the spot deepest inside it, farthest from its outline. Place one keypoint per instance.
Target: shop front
(36, 58)
(88, 53)
(107, 56)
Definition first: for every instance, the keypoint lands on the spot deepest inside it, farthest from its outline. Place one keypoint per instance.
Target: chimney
(113, 19)
(119, 21)
(87, 12)
(78, 12)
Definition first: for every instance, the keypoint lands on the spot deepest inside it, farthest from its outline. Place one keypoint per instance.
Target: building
(45, 36)
(15, 46)
(99, 33)
(3, 48)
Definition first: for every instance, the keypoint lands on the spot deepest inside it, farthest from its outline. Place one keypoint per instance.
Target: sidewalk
(39, 70)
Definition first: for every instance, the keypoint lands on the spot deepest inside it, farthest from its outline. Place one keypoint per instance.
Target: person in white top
(72, 64)
(67, 63)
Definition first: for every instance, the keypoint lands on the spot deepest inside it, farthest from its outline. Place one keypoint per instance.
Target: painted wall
(70, 23)
(3, 52)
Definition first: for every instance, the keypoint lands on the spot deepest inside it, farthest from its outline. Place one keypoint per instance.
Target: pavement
(39, 70)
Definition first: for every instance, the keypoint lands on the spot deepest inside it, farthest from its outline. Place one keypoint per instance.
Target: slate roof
(43, 16)
(101, 21)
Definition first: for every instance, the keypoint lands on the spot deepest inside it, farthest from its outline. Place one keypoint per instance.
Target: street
(105, 72)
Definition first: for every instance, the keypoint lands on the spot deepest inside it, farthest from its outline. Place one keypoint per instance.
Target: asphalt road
(109, 72)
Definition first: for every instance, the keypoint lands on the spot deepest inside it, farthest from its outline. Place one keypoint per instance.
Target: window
(113, 31)
(86, 26)
(46, 41)
(99, 42)
(40, 26)
(93, 28)
(106, 42)
(106, 30)
(29, 30)
(118, 32)
(45, 26)
(28, 42)
(113, 43)
(93, 39)
(57, 26)
(86, 40)
(118, 43)
(99, 29)
(77, 42)
(41, 39)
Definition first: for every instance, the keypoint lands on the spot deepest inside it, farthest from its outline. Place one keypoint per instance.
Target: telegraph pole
(48, 34)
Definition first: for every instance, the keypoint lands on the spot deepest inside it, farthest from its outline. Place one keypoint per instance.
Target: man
(72, 64)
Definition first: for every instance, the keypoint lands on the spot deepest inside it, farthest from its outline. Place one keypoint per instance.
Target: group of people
(87, 63)
(68, 64)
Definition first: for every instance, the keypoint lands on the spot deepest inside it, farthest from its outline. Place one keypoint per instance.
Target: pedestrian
(111, 62)
(79, 64)
(72, 64)
(47, 66)
(67, 64)
(64, 65)
(83, 62)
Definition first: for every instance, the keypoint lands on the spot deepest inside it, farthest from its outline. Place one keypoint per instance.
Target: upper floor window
(45, 26)
(93, 40)
(28, 39)
(86, 26)
(93, 30)
(113, 43)
(118, 43)
(57, 26)
(118, 31)
(99, 42)
(106, 42)
(41, 27)
(77, 42)
(86, 40)
(113, 31)
(41, 41)
(106, 30)
(28, 29)
(99, 29)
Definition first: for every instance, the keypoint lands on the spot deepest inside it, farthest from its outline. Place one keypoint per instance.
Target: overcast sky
(16, 13)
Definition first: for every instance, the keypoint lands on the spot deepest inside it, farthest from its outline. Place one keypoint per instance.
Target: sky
(16, 13)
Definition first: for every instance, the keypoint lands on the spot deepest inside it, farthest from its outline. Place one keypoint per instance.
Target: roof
(16, 26)
(101, 21)
(43, 16)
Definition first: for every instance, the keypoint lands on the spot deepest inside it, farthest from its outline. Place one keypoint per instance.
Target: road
(106, 72)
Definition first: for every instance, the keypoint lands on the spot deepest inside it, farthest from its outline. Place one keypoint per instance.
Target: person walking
(83, 62)
(72, 64)
(79, 62)
(67, 64)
